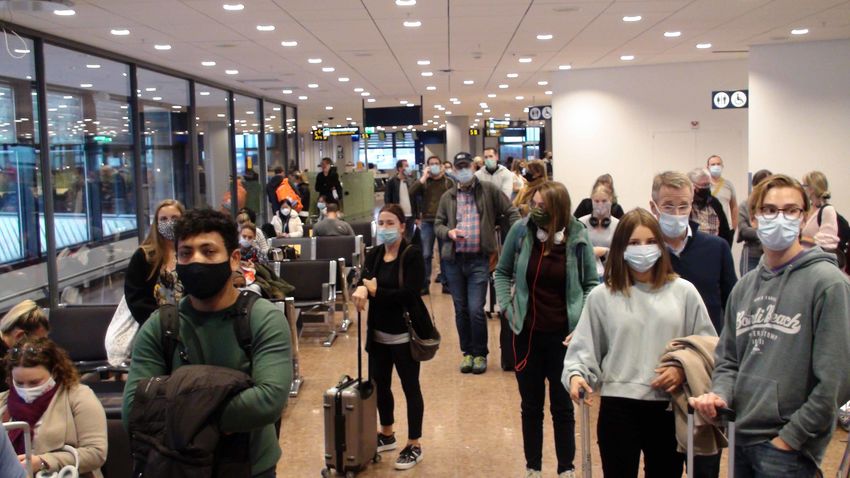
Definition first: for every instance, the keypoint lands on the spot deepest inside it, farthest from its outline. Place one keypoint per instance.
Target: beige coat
(695, 355)
(74, 417)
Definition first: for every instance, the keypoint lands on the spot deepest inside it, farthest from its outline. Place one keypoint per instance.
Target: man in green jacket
(207, 256)
(466, 221)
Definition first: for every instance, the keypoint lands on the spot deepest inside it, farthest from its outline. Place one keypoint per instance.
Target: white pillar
(457, 135)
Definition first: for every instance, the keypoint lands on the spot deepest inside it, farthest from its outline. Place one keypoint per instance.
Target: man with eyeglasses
(783, 358)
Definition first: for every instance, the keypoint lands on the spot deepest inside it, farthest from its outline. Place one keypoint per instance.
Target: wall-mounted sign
(370, 130)
(474, 132)
(536, 113)
(722, 100)
(494, 127)
(319, 134)
(102, 139)
(322, 134)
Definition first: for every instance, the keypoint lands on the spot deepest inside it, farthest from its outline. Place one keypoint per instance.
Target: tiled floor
(472, 423)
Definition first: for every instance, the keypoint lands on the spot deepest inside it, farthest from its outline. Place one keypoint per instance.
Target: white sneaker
(529, 473)
(567, 474)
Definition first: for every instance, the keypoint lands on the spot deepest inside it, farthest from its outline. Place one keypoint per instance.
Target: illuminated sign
(474, 132)
(102, 139)
(493, 128)
(319, 134)
(322, 134)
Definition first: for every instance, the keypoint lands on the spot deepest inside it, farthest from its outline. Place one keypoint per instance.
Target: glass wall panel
(275, 144)
(212, 120)
(23, 271)
(91, 163)
(292, 140)
(166, 153)
(247, 141)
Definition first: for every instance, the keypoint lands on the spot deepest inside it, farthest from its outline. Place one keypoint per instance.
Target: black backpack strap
(820, 214)
(242, 321)
(169, 323)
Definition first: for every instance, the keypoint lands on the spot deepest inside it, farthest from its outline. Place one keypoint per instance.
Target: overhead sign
(102, 139)
(736, 99)
(319, 134)
(474, 132)
(322, 134)
(494, 127)
(536, 113)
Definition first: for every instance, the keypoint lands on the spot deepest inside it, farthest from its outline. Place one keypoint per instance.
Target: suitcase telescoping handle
(586, 470)
(727, 416)
(27, 442)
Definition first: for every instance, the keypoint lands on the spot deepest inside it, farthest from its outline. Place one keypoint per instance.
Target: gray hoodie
(783, 359)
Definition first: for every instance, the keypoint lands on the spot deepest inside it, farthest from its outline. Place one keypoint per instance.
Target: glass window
(384, 149)
(212, 121)
(23, 271)
(164, 105)
(250, 192)
(275, 137)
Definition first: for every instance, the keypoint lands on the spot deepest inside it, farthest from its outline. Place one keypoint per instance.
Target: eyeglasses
(771, 212)
(682, 210)
(17, 352)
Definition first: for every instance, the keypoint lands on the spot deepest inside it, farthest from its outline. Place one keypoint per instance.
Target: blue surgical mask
(408, 170)
(464, 176)
(435, 170)
(245, 243)
(388, 235)
(715, 170)
(673, 226)
(320, 205)
(779, 233)
(642, 258)
(490, 163)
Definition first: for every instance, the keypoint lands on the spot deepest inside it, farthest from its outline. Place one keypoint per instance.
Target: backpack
(843, 236)
(285, 192)
(148, 427)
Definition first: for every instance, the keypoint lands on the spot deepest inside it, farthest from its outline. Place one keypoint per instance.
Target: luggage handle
(726, 415)
(586, 464)
(27, 442)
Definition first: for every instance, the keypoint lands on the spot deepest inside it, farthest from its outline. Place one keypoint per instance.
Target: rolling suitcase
(351, 419)
(727, 417)
(844, 467)
(25, 427)
(586, 470)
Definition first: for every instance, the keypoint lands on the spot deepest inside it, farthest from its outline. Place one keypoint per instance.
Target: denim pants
(426, 229)
(764, 460)
(468, 275)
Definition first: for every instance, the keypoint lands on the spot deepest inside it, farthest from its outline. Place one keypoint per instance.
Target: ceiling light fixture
(503, 86)
(404, 102)
(162, 47)
(312, 85)
(468, 82)
(64, 13)
(371, 100)
(150, 89)
(520, 98)
(289, 43)
(672, 34)
(232, 72)
(491, 95)
(287, 92)
(423, 62)
(405, 3)
(302, 97)
(93, 66)
(233, 7)
(343, 79)
(703, 46)
(358, 90)
(632, 18)
(427, 73)
(512, 75)
(86, 85)
(365, 93)
(542, 83)
(329, 108)
(207, 63)
(431, 88)
(799, 31)
(627, 57)
(328, 69)
(265, 28)
(204, 93)
(547, 92)
(412, 23)
(545, 36)
(314, 61)
(565, 67)
(525, 60)
(119, 32)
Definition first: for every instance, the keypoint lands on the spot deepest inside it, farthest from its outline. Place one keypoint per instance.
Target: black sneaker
(386, 442)
(409, 457)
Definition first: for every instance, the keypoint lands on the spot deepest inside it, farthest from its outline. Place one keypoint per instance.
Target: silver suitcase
(27, 442)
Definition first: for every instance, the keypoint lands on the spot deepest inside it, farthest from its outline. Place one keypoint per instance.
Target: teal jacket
(513, 264)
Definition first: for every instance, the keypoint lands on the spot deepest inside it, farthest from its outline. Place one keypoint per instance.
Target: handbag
(421, 348)
(120, 334)
(67, 471)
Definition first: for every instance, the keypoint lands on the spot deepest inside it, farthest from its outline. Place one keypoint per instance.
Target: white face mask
(715, 170)
(642, 258)
(30, 394)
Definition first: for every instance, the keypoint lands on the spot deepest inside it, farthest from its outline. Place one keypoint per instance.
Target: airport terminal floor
(472, 422)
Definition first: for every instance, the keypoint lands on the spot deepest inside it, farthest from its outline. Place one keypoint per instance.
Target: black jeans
(381, 360)
(628, 427)
(705, 466)
(545, 362)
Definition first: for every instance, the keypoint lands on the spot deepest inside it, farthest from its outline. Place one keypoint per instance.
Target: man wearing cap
(466, 219)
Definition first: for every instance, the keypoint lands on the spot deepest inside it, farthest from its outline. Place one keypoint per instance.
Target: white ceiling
(479, 40)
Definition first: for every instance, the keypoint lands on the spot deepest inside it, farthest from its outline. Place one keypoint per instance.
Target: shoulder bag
(421, 348)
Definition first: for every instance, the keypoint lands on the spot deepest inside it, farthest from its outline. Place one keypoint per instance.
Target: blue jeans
(468, 276)
(766, 461)
(426, 229)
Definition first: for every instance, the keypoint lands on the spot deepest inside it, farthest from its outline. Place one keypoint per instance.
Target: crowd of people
(602, 303)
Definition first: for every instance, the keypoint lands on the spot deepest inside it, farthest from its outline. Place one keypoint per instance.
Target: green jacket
(255, 409)
(494, 208)
(513, 265)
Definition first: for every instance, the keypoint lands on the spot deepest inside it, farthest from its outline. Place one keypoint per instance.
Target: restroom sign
(540, 112)
(736, 99)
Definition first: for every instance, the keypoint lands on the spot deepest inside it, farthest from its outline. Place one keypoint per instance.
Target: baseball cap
(462, 158)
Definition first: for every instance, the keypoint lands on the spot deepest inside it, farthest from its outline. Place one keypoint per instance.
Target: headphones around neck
(595, 222)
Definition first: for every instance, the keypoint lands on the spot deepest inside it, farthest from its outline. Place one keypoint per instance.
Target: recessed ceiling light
(565, 67)
(119, 32)
(436, 116)
(358, 90)
(547, 92)
(220, 115)
(448, 112)
(431, 88)
(287, 92)
(542, 83)
(627, 57)
(204, 93)
(452, 99)
(233, 7)
(507, 115)
(157, 98)
(479, 114)
(314, 61)
(289, 43)
(703, 46)
(405, 3)
(162, 47)
(64, 13)
(632, 18)
(427, 73)
(468, 82)
(93, 66)
(672, 34)
(232, 72)
(491, 95)
(512, 75)
(329, 108)
(799, 31)
(365, 93)
(404, 102)
(302, 97)
(347, 119)
(487, 110)
(207, 63)
(343, 79)
(265, 28)
(150, 89)
(412, 23)
(176, 107)
(503, 86)
(423, 62)
(86, 85)
(328, 69)
(371, 100)
(519, 98)
(545, 36)
(525, 60)
(312, 85)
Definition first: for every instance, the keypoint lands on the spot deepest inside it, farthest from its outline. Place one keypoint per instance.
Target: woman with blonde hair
(535, 175)
(585, 207)
(151, 278)
(45, 391)
(820, 226)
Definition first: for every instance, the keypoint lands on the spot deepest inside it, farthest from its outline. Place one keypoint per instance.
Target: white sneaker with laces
(529, 473)
(567, 474)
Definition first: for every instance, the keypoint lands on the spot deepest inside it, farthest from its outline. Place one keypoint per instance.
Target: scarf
(19, 410)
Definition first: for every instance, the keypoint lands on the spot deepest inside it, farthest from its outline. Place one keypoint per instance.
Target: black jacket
(392, 195)
(138, 287)
(271, 191)
(325, 185)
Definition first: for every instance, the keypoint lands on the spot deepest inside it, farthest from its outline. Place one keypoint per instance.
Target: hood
(800, 265)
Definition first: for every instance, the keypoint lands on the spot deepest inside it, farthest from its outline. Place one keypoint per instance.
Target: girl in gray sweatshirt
(623, 330)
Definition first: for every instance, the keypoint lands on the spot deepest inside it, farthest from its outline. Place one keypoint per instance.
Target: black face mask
(203, 281)
(701, 195)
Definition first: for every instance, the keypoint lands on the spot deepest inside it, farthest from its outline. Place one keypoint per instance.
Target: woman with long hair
(624, 329)
(820, 226)
(600, 225)
(45, 391)
(585, 207)
(534, 175)
(151, 278)
(549, 260)
(387, 337)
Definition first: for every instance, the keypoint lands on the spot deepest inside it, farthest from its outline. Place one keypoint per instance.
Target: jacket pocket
(756, 400)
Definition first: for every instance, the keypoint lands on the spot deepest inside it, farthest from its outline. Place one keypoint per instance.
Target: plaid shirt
(468, 222)
(707, 219)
